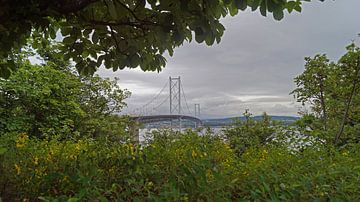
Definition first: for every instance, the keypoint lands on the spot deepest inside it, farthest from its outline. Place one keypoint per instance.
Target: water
(143, 132)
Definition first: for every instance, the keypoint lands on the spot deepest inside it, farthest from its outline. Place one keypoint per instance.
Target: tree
(119, 33)
(42, 100)
(313, 85)
(250, 133)
(331, 89)
(349, 68)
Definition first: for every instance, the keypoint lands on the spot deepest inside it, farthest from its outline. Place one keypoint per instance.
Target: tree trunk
(347, 107)
(323, 106)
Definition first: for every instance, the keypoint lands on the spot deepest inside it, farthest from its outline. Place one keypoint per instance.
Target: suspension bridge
(173, 96)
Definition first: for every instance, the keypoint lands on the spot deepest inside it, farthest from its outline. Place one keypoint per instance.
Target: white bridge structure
(179, 110)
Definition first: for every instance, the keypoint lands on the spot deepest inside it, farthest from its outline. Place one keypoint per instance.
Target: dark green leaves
(241, 4)
(278, 14)
(131, 33)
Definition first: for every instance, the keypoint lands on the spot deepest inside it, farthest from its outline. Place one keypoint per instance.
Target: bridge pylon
(175, 97)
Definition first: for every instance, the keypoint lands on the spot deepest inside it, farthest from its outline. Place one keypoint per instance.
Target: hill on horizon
(230, 120)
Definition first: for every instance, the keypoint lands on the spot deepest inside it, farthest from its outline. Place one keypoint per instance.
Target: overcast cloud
(254, 65)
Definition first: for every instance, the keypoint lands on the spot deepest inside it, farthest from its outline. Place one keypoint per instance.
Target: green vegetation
(119, 33)
(331, 89)
(175, 167)
(61, 140)
(43, 101)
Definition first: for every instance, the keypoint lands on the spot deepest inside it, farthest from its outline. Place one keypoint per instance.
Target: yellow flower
(149, 184)
(21, 140)
(18, 169)
(36, 160)
(65, 178)
(77, 147)
(72, 157)
(185, 198)
(193, 154)
(209, 175)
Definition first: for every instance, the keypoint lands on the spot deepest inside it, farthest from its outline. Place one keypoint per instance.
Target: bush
(182, 167)
(174, 167)
(250, 133)
(43, 101)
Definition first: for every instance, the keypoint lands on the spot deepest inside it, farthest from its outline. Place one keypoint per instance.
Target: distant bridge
(151, 113)
(171, 117)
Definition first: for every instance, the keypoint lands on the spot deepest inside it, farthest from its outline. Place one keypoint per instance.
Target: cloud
(255, 63)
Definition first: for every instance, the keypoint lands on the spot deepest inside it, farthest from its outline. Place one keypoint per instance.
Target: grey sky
(255, 63)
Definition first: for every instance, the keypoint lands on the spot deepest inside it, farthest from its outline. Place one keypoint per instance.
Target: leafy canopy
(331, 90)
(119, 33)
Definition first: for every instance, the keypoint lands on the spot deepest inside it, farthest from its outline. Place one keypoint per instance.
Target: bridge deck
(157, 118)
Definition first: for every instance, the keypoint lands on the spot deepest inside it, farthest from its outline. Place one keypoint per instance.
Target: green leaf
(298, 8)
(2, 150)
(95, 37)
(112, 9)
(4, 71)
(233, 9)
(241, 4)
(72, 200)
(52, 33)
(278, 14)
(68, 40)
(263, 8)
(66, 31)
(255, 4)
(86, 32)
(199, 35)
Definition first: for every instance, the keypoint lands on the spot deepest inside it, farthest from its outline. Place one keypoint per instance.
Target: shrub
(186, 166)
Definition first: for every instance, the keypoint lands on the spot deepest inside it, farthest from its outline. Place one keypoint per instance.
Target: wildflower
(185, 198)
(149, 184)
(72, 157)
(38, 173)
(193, 154)
(131, 149)
(65, 178)
(227, 146)
(77, 147)
(18, 169)
(36, 161)
(209, 175)
(21, 140)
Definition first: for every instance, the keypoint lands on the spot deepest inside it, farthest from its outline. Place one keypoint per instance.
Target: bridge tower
(175, 97)
(197, 112)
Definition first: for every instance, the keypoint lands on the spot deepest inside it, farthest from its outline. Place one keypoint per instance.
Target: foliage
(315, 174)
(185, 167)
(250, 133)
(119, 33)
(174, 167)
(331, 90)
(313, 84)
(42, 101)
